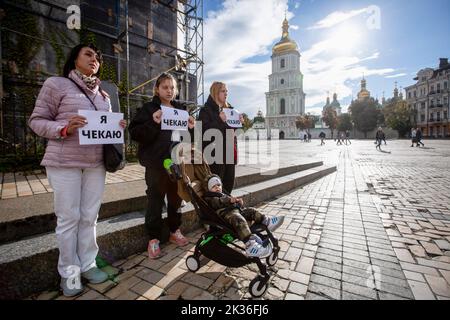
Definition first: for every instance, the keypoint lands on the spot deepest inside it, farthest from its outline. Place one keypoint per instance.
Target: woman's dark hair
(73, 55)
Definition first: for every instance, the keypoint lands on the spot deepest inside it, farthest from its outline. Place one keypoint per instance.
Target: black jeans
(226, 173)
(158, 185)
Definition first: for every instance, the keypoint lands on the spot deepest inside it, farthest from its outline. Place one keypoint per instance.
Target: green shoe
(71, 287)
(95, 275)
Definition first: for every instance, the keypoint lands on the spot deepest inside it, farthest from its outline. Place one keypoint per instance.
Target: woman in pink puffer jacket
(75, 172)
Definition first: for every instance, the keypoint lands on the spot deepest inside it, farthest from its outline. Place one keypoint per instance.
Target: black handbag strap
(82, 90)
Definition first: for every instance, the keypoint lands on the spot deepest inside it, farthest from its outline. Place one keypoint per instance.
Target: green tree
(345, 122)
(365, 115)
(398, 117)
(330, 118)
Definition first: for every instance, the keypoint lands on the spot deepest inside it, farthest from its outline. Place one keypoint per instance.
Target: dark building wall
(103, 21)
(51, 38)
(143, 65)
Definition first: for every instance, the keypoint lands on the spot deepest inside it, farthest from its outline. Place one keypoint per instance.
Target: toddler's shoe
(254, 249)
(273, 223)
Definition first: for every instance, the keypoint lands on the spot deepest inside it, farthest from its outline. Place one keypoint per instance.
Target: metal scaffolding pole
(128, 65)
(192, 26)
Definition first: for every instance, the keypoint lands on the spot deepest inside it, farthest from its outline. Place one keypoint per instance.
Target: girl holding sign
(75, 172)
(213, 117)
(155, 139)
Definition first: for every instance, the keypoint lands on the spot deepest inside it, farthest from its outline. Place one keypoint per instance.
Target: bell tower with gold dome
(363, 94)
(285, 100)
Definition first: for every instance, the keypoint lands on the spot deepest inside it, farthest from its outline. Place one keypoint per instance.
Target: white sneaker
(273, 223)
(254, 249)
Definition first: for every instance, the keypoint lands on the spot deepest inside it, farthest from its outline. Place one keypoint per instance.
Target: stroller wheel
(192, 263)
(272, 259)
(258, 287)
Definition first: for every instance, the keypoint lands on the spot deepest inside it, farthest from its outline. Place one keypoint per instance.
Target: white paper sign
(102, 128)
(232, 117)
(174, 119)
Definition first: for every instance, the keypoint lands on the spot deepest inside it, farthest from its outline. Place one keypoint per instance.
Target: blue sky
(339, 41)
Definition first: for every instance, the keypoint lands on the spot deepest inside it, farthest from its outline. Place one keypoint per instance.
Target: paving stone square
(377, 228)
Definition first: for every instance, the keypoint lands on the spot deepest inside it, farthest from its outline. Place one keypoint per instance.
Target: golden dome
(363, 93)
(285, 44)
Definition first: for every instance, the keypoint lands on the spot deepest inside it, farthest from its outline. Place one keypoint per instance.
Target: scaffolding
(192, 25)
(189, 59)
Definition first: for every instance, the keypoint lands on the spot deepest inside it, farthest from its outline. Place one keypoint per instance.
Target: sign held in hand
(174, 119)
(233, 117)
(102, 128)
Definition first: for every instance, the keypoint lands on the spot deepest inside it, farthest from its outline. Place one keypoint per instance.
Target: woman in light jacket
(75, 172)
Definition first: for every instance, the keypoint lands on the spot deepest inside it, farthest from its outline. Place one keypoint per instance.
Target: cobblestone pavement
(378, 228)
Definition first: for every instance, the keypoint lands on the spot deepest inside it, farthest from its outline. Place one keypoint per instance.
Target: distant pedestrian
(305, 137)
(379, 137)
(309, 137)
(322, 138)
(339, 141)
(347, 137)
(413, 136)
(419, 137)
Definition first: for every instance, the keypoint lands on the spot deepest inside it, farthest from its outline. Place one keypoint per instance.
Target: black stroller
(218, 243)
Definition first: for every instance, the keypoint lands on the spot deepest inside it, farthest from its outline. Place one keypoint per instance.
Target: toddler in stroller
(231, 210)
(220, 241)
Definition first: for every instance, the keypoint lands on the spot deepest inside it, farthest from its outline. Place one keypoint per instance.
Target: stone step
(28, 216)
(28, 266)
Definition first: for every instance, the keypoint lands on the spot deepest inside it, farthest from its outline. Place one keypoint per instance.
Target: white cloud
(396, 75)
(234, 34)
(297, 5)
(294, 27)
(238, 32)
(324, 71)
(336, 18)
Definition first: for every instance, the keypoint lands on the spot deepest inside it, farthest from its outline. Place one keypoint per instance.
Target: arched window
(282, 106)
(282, 63)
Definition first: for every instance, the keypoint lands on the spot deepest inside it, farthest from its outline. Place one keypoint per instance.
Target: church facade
(285, 100)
